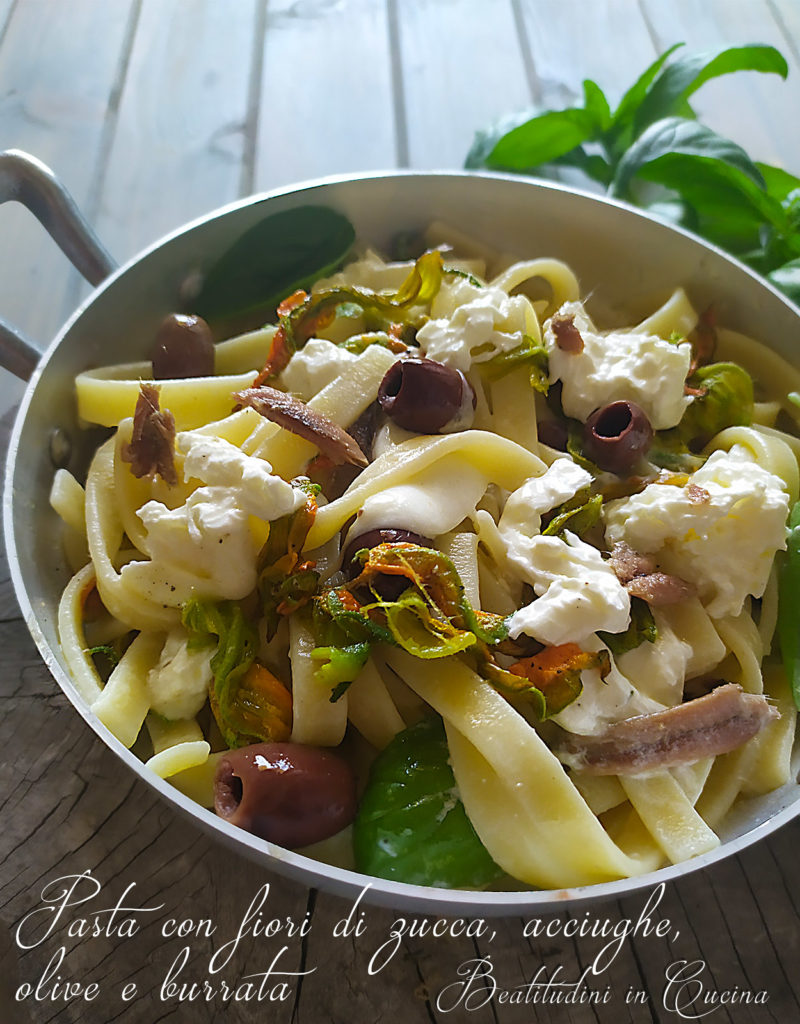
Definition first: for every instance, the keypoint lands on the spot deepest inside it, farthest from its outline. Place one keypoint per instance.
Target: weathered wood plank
(569, 41)
(787, 17)
(53, 103)
(178, 139)
(326, 91)
(752, 109)
(54, 99)
(5, 11)
(458, 52)
(66, 805)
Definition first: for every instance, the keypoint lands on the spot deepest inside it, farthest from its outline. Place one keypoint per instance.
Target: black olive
(422, 395)
(553, 433)
(372, 538)
(287, 793)
(616, 436)
(389, 587)
(183, 347)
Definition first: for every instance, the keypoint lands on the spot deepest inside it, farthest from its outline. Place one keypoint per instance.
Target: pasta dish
(435, 578)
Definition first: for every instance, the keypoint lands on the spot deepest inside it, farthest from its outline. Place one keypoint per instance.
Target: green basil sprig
(411, 825)
(275, 257)
(653, 138)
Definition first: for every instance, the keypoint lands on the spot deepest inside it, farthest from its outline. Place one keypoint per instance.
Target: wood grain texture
(607, 41)
(326, 102)
(458, 51)
(178, 138)
(58, 66)
(154, 110)
(752, 109)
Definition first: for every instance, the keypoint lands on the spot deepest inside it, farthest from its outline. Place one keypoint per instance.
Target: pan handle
(32, 183)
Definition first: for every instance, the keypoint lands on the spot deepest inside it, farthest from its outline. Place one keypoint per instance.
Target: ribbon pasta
(545, 824)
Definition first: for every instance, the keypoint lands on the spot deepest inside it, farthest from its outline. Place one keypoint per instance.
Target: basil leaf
(411, 825)
(779, 183)
(675, 137)
(596, 104)
(487, 138)
(674, 211)
(593, 165)
(711, 173)
(678, 80)
(540, 140)
(622, 122)
(283, 252)
(787, 279)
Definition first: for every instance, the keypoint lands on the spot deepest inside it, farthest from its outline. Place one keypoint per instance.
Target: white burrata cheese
(522, 514)
(622, 365)
(178, 684)
(720, 531)
(577, 592)
(209, 537)
(490, 323)
(604, 701)
(659, 668)
(314, 367)
(219, 463)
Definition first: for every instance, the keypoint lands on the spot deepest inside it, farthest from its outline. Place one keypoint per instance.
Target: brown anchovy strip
(295, 416)
(697, 495)
(627, 563)
(658, 588)
(714, 724)
(640, 577)
(152, 445)
(568, 337)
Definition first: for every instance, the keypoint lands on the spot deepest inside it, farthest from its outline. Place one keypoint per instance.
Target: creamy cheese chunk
(577, 593)
(314, 367)
(178, 684)
(720, 531)
(490, 323)
(208, 536)
(639, 368)
(257, 489)
(522, 514)
(604, 701)
(208, 541)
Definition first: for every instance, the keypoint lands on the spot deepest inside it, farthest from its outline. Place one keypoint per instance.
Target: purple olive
(372, 538)
(183, 348)
(553, 433)
(388, 586)
(617, 436)
(286, 793)
(425, 396)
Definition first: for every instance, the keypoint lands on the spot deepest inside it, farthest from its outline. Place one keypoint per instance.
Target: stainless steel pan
(626, 256)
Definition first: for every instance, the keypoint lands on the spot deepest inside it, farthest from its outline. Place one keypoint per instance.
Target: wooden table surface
(156, 111)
